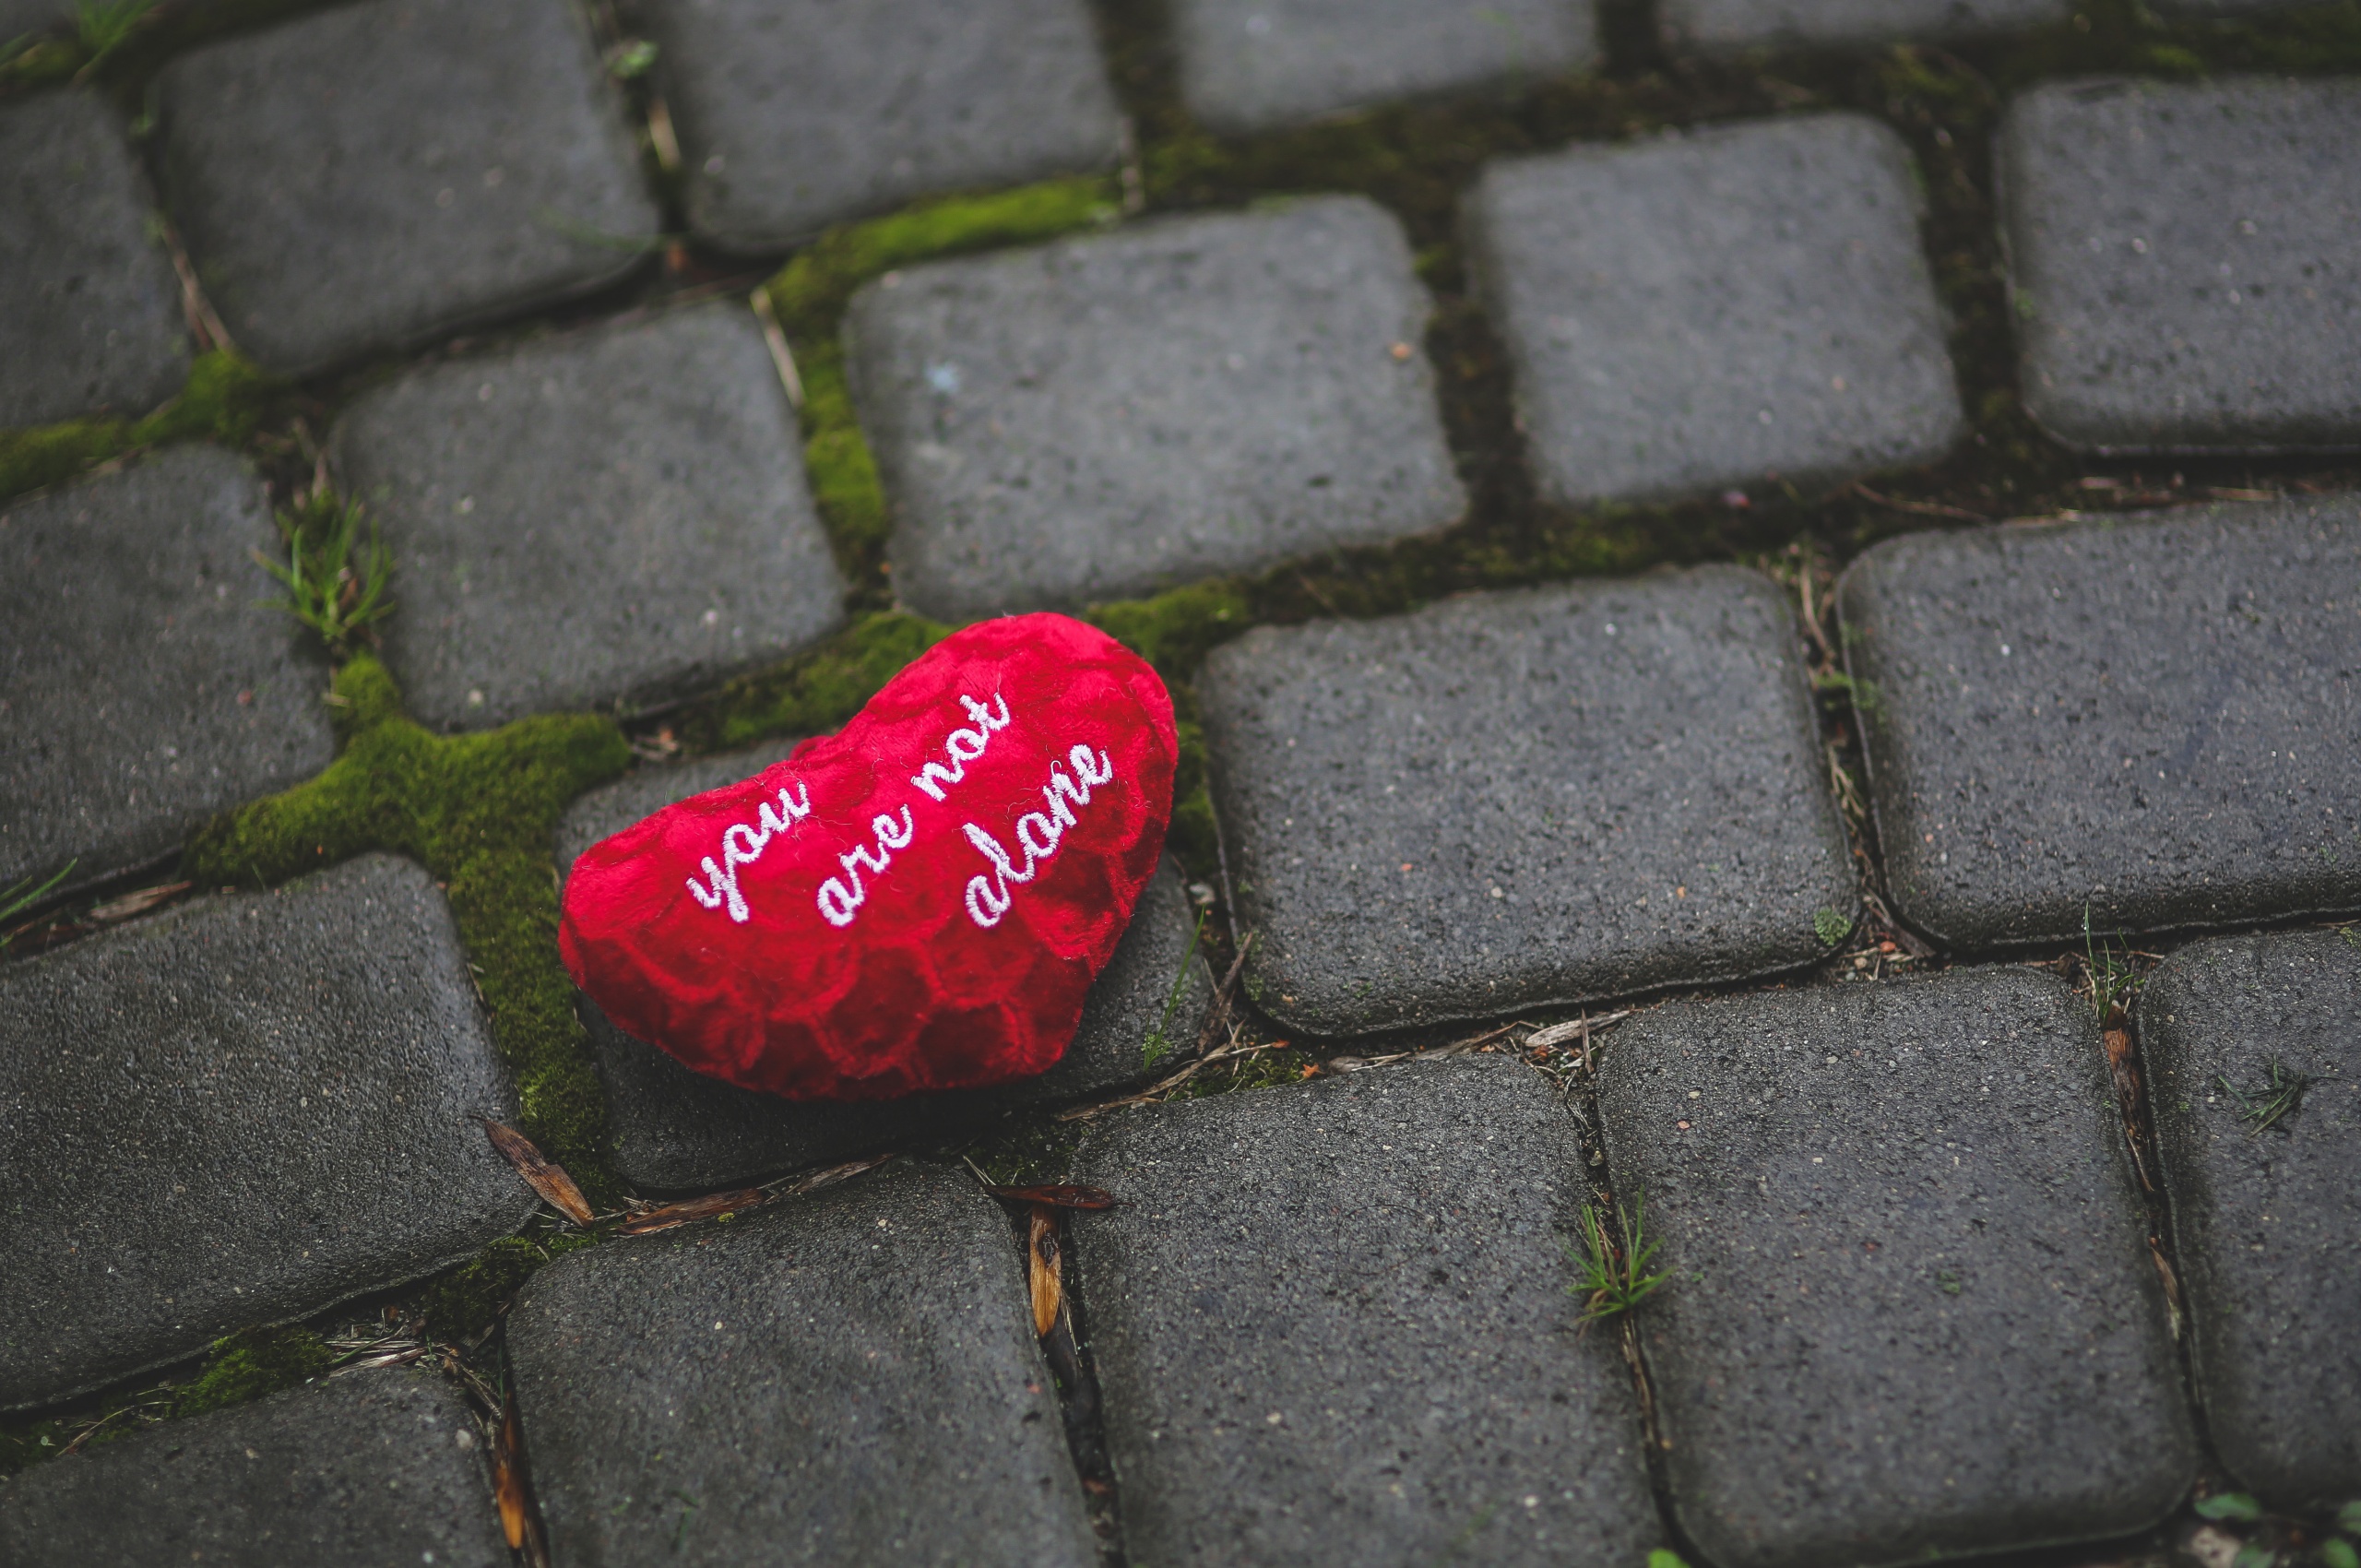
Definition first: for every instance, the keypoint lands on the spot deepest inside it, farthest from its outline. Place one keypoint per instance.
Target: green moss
(251, 1364)
(464, 1302)
(837, 460)
(224, 400)
(810, 291)
(477, 810)
(816, 691)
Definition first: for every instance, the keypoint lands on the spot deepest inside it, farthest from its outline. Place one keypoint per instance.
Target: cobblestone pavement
(1757, 961)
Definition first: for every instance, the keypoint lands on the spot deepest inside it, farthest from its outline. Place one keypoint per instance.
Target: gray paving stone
(89, 308)
(239, 1111)
(375, 175)
(2157, 722)
(1517, 799)
(618, 515)
(370, 1469)
(1723, 24)
(142, 685)
(1718, 309)
(2265, 1229)
(794, 114)
(676, 1130)
(2182, 258)
(1333, 1326)
(1113, 415)
(1911, 1310)
(1251, 65)
(848, 1378)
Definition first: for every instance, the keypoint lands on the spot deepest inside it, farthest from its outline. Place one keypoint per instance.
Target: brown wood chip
(557, 1189)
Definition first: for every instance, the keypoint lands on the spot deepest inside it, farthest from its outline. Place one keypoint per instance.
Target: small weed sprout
(1614, 1279)
(15, 898)
(328, 589)
(2111, 974)
(2263, 1109)
(1831, 928)
(1159, 1042)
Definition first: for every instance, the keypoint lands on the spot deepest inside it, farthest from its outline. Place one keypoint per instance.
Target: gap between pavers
(365, 1469)
(2267, 1219)
(1115, 414)
(847, 1377)
(143, 686)
(794, 114)
(1735, 308)
(678, 1130)
(89, 306)
(618, 515)
(2153, 723)
(1333, 1325)
(239, 1112)
(1249, 66)
(1725, 25)
(1912, 1310)
(2181, 261)
(1521, 799)
(371, 176)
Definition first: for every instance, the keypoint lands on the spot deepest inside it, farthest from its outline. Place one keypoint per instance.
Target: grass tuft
(339, 595)
(2264, 1107)
(1614, 1279)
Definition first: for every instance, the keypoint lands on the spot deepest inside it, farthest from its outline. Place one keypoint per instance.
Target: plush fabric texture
(919, 901)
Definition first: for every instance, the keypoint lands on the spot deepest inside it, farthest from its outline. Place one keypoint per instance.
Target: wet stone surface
(1912, 1310)
(676, 1130)
(1721, 25)
(1332, 1326)
(1253, 65)
(615, 515)
(2264, 1223)
(89, 309)
(1724, 309)
(795, 115)
(2182, 262)
(367, 1470)
(1515, 799)
(1113, 415)
(142, 687)
(374, 175)
(2154, 722)
(850, 1377)
(239, 1111)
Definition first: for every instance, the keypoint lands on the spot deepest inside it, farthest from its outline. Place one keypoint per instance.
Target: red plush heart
(919, 901)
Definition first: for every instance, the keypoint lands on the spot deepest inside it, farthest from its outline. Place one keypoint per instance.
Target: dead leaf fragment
(1041, 1256)
(1057, 1195)
(669, 1215)
(137, 903)
(556, 1188)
